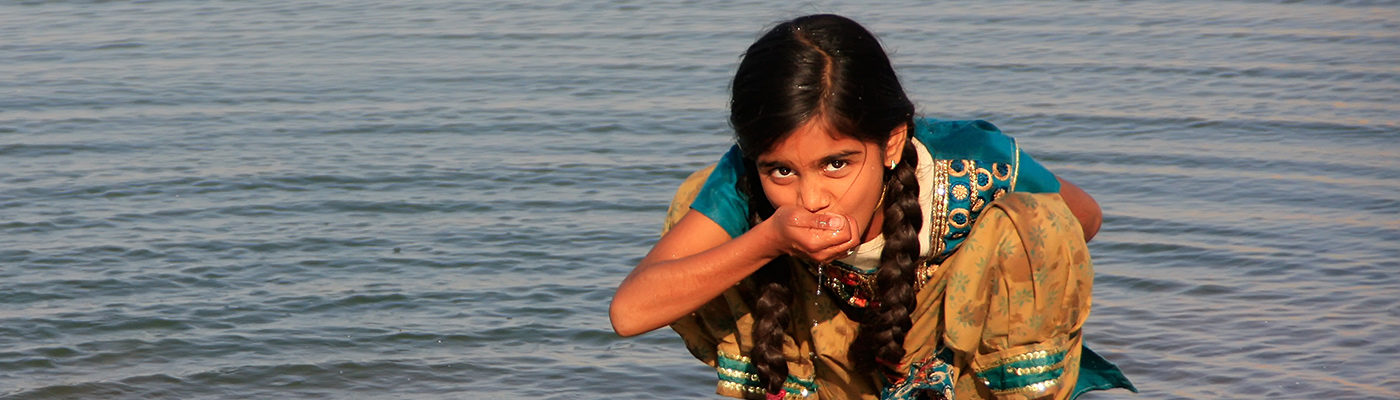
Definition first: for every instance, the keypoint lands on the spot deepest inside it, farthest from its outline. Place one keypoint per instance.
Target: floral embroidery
(963, 189)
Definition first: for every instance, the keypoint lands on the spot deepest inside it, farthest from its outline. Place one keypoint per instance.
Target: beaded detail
(848, 284)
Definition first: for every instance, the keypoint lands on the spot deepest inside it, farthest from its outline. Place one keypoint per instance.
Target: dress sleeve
(984, 142)
(1031, 177)
(1018, 294)
(685, 194)
(720, 199)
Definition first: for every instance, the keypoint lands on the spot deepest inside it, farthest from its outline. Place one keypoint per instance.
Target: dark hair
(828, 67)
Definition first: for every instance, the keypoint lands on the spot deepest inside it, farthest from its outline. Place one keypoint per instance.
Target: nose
(813, 196)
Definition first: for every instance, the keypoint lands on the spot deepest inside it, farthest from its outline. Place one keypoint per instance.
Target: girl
(846, 249)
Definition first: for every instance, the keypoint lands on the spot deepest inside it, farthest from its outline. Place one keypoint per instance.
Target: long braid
(772, 311)
(771, 318)
(885, 330)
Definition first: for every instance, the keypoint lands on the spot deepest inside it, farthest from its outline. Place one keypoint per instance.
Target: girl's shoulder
(964, 140)
(958, 143)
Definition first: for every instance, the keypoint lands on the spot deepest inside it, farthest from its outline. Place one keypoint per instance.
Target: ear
(894, 148)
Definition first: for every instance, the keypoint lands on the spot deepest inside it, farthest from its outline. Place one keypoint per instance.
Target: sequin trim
(1015, 163)
(1034, 355)
(736, 374)
(1031, 372)
(926, 272)
(938, 217)
(739, 377)
(1038, 387)
(1037, 369)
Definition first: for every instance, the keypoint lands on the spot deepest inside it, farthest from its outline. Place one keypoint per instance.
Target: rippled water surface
(435, 199)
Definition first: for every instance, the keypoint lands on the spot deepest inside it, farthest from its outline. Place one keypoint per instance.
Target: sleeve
(720, 199)
(1031, 177)
(684, 196)
(1017, 298)
(983, 141)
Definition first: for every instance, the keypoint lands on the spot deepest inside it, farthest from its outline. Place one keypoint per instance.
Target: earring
(893, 164)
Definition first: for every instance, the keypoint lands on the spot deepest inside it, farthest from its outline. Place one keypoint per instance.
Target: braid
(772, 310)
(771, 319)
(883, 336)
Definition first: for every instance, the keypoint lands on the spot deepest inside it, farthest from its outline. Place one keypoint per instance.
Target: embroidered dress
(1000, 317)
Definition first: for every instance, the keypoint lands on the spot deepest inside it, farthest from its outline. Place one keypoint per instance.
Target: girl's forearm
(666, 286)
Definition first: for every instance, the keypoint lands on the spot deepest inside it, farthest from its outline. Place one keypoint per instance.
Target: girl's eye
(781, 172)
(835, 166)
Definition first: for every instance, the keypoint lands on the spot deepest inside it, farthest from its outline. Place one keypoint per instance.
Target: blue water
(435, 199)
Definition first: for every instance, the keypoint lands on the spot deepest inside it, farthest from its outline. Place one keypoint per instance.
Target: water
(435, 199)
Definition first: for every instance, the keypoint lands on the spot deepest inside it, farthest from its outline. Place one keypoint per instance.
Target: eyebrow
(837, 156)
(824, 160)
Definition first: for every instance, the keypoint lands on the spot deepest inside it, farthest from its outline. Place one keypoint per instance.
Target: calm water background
(435, 199)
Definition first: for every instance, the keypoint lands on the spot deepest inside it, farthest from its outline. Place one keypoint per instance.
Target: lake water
(435, 199)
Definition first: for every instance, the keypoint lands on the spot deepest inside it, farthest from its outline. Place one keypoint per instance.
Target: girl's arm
(696, 261)
(1084, 208)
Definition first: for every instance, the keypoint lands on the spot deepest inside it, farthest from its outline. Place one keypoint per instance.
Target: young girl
(847, 249)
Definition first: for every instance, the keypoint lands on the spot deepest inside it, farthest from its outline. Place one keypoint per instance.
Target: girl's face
(826, 172)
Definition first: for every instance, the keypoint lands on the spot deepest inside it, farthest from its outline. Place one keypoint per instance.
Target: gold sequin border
(938, 217)
(1038, 369)
(741, 390)
(734, 373)
(1015, 163)
(1034, 355)
(1034, 388)
(731, 388)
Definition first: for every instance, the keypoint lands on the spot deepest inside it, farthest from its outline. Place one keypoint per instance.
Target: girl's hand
(817, 237)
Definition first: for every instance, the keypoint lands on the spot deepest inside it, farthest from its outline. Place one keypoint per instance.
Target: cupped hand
(819, 237)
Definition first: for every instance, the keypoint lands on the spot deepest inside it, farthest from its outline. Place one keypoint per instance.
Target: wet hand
(819, 237)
